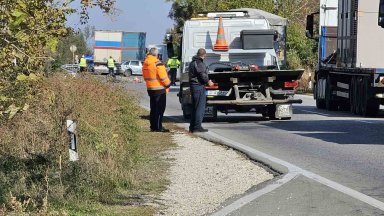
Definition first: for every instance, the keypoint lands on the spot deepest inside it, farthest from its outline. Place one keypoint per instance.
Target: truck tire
(352, 95)
(330, 104)
(320, 104)
(186, 112)
(358, 96)
(370, 105)
(271, 109)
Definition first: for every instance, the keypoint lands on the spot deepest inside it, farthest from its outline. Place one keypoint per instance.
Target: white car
(133, 67)
(101, 68)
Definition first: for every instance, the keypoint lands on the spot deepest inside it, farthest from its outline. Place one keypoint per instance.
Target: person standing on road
(173, 63)
(83, 64)
(158, 83)
(198, 79)
(111, 66)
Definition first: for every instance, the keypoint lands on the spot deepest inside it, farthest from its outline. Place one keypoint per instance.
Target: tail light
(215, 86)
(293, 84)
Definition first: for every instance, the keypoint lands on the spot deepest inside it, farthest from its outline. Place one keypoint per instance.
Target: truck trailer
(350, 71)
(122, 46)
(251, 75)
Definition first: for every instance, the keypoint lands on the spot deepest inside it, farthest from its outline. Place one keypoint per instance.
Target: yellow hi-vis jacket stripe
(155, 74)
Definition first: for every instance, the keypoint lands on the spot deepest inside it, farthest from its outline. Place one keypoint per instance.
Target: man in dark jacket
(198, 79)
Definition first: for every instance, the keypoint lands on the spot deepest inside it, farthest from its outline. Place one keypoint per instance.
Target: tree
(29, 34)
(64, 55)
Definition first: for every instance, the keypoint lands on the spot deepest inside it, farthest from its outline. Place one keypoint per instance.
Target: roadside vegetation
(119, 160)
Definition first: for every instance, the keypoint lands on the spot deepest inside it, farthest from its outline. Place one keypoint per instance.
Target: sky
(150, 16)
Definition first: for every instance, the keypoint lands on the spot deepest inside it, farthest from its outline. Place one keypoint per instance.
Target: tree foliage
(29, 34)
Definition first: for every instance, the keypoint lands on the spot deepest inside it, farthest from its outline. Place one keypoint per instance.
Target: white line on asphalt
(250, 197)
(293, 170)
(296, 170)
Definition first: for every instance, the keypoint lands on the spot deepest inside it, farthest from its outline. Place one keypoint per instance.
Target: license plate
(283, 110)
(216, 93)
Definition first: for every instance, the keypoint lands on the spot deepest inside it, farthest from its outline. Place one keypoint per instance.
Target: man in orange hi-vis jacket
(158, 83)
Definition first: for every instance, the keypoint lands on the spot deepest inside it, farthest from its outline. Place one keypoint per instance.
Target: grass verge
(120, 171)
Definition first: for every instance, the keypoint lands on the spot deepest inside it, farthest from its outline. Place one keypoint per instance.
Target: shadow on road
(335, 131)
(305, 110)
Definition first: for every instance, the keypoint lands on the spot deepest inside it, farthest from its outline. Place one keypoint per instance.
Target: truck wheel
(320, 104)
(271, 112)
(329, 103)
(186, 112)
(370, 106)
(186, 115)
(352, 95)
(358, 96)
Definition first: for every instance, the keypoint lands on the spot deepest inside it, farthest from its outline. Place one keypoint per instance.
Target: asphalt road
(339, 146)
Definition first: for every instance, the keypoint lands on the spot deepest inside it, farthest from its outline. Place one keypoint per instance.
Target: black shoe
(200, 130)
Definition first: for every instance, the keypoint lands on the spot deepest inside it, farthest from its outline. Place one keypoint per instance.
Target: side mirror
(381, 14)
(309, 26)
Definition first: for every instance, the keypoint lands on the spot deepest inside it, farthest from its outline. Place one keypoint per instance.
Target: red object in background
(254, 67)
(294, 84)
(215, 86)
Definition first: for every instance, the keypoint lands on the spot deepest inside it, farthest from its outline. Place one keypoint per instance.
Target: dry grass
(119, 158)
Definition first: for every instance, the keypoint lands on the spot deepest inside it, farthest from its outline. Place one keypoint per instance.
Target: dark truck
(350, 71)
(250, 75)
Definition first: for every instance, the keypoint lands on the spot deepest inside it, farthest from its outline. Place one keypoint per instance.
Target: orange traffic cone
(221, 43)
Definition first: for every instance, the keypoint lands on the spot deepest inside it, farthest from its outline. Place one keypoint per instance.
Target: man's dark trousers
(198, 106)
(158, 103)
(173, 72)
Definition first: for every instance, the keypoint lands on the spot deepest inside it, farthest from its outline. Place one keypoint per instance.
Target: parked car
(133, 67)
(103, 69)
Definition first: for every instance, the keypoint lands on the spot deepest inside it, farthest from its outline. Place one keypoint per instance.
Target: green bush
(35, 171)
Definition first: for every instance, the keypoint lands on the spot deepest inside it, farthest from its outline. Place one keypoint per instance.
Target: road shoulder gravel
(204, 175)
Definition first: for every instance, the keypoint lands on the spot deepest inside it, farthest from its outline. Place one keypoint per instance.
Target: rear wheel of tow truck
(330, 104)
(187, 112)
(370, 105)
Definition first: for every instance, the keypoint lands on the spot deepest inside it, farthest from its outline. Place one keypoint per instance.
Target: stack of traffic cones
(221, 43)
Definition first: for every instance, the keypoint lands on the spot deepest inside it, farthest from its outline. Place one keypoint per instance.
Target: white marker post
(71, 128)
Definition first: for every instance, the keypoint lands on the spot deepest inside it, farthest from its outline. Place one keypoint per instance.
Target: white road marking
(258, 155)
(250, 197)
(293, 171)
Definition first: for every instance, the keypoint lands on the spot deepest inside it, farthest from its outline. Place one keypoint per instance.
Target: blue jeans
(199, 101)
